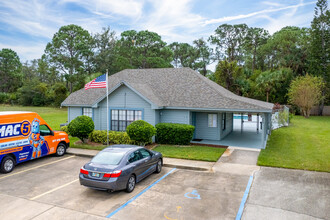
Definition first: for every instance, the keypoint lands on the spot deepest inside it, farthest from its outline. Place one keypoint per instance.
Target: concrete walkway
(168, 162)
(238, 160)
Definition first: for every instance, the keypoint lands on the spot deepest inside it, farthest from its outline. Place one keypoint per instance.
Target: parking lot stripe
(246, 193)
(50, 191)
(32, 168)
(139, 194)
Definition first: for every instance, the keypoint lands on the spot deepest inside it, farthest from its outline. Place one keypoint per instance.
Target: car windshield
(109, 158)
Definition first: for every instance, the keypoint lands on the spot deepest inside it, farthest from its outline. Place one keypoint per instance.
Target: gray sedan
(120, 167)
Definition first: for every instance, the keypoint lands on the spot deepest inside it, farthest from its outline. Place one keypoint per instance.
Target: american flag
(99, 82)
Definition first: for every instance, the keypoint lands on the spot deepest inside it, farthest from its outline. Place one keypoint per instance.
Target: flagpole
(107, 110)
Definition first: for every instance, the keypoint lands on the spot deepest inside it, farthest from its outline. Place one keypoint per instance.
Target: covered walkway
(248, 137)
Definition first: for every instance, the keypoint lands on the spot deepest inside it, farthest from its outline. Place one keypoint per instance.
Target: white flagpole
(107, 110)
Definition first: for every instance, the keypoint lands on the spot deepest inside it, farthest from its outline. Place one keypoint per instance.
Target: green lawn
(53, 116)
(191, 152)
(305, 145)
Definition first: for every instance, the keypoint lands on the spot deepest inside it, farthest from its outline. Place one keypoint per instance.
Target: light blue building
(175, 95)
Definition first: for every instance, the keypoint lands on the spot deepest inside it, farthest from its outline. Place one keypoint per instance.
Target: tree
(255, 38)
(274, 83)
(305, 92)
(105, 43)
(70, 51)
(320, 46)
(143, 49)
(184, 55)
(287, 48)
(228, 74)
(229, 40)
(10, 71)
(203, 55)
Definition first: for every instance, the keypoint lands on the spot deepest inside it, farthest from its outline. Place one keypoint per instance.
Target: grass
(53, 116)
(191, 152)
(304, 145)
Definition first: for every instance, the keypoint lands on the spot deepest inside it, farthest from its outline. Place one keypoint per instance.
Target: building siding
(203, 131)
(175, 116)
(74, 112)
(123, 98)
(229, 125)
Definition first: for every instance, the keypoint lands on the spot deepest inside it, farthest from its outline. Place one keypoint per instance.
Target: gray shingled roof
(171, 87)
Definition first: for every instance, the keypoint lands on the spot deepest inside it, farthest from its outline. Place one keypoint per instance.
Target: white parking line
(52, 190)
(8, 175)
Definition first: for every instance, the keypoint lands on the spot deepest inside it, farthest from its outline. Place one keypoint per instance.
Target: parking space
(278, 193)
(49, 188)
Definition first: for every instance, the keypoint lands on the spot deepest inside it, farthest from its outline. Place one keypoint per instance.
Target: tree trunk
(321, 106)
(267, 96)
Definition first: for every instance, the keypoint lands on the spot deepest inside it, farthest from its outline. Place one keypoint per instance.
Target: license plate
(95, 174)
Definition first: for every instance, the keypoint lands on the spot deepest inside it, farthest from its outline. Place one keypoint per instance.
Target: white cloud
(257, 13)
(26, 52)
(173, 20)
(127, 8)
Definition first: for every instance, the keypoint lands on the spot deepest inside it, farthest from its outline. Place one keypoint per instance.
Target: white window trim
(212, 120)
(88, 112)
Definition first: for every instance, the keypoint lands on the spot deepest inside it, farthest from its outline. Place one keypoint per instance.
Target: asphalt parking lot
(48, 188)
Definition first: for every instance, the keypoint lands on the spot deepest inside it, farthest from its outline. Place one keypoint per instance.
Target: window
(134, 157)
(145, 153)
(224, 121)
(120, 119)
(88, 112)
(109, 158)
(212, 120)
(45, 131)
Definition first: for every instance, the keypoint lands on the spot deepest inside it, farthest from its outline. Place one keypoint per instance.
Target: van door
(47, 135)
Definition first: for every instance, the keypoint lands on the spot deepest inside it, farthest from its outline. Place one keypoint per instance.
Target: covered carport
(250, 129)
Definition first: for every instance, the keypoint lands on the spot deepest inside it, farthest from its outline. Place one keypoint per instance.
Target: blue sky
(26, 26)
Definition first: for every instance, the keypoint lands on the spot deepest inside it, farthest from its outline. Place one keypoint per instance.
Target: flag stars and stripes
(99, 82)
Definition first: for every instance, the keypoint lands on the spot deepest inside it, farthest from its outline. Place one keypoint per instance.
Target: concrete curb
(186, 167)
(165, 164)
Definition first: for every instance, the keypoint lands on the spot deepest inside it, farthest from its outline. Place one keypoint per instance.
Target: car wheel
(130, 184)
(61, 148)
(159, 166)
(7, 164)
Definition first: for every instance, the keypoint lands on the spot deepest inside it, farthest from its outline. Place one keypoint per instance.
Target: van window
(45, 131)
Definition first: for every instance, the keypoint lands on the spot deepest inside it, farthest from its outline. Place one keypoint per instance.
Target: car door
(135, 160)
(147, 163)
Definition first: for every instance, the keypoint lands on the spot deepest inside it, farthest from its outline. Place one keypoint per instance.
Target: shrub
(65, 129)
(4, 97)
(81, 127)
(170, 133)
(141, 131)
(305, 92)
(115, 137)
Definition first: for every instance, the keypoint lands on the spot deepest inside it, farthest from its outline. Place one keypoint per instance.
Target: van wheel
(7, 164)
(61, 148)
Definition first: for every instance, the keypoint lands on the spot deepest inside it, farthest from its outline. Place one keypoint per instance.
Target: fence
(280, 117)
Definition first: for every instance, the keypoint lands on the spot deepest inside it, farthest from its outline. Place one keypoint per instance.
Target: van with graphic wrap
(26, 136)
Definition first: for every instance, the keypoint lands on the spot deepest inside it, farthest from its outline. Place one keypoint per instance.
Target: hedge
(115, 137)
(171, 133)
(141, 131)
(81, 127)
(65, 129)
